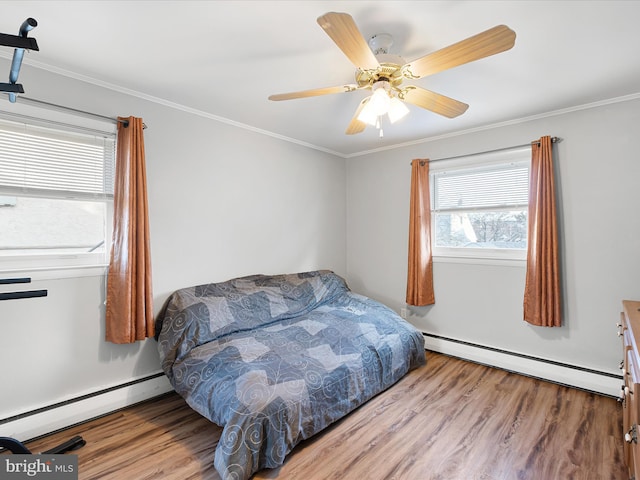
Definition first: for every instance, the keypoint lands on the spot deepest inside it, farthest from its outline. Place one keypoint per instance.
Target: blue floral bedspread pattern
(274, 359)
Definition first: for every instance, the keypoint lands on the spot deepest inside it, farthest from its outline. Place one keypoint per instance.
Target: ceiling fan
(384, 74)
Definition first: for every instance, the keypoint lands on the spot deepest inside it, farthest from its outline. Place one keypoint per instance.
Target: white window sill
(494, 261)
(55, 272)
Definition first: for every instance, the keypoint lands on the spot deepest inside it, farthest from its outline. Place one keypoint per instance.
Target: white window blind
(490, 188)
(37, 160)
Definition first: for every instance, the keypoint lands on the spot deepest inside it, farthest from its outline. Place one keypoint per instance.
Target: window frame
(519, 155)
(77, 264)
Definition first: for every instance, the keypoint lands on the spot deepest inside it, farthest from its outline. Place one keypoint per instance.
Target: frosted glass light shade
(380, 101)
(368, 114)
(397, 110)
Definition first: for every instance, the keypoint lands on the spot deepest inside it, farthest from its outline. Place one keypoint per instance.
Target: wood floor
(449, 420)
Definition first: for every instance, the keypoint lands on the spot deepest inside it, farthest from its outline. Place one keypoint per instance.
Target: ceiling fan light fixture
(380, 100)
(378, 104)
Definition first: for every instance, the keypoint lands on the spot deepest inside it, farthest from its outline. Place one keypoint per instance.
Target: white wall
(224, 201)
(599, 171)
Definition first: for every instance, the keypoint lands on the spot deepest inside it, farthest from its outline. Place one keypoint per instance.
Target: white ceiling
(224, 58)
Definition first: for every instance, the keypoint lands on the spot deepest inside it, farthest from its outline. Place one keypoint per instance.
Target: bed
(275, 359)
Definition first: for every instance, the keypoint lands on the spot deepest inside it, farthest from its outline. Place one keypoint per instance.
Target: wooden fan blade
(434, 102)
(356, 126)
(495, 40)
(314, 93)
(344, 32)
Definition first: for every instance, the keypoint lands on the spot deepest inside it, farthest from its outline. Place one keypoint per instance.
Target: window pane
(56, 190)
(33, 225)
(486, 229)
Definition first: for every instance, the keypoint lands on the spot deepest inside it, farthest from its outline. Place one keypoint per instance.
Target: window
(479, 206)
(56, 196)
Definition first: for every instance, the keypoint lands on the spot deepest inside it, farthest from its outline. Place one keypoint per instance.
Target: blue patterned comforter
(275, 359)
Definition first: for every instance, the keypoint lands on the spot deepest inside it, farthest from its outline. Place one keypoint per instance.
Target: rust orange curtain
(420, 267)
(542, 297)
(129, 306)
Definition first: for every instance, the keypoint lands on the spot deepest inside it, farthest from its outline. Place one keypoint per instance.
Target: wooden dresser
(629, 330)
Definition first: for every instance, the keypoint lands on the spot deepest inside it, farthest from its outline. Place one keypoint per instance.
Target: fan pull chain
(379, 127)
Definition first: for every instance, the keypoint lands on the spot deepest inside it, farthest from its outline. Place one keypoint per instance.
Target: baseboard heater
(20, 294)
(588, 379)
(33, 424)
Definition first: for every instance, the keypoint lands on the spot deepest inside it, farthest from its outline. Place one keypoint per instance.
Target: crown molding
(217, 118)
(553, 113)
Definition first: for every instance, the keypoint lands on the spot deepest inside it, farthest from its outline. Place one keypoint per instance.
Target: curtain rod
(75, 110)
(553, 140)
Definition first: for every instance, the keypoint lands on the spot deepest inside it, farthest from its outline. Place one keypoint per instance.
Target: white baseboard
(72, 412)
(47, 420)
(582, 378)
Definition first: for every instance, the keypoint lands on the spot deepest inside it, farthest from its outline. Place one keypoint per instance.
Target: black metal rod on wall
(9, 281)
(24, 294)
